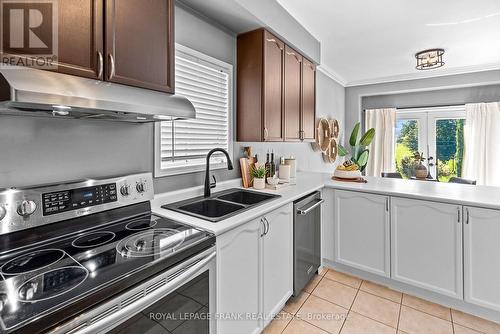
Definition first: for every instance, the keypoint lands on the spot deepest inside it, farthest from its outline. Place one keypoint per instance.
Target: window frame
(229, 68)
(427, 117)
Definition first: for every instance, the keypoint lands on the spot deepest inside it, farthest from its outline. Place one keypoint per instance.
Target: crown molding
(426, 74)
(332, 75)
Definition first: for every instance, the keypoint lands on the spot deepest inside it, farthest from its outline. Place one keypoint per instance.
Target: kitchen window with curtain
(181, 146)
(437, 132)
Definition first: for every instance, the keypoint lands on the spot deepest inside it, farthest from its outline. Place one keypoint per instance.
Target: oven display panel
(73, 199)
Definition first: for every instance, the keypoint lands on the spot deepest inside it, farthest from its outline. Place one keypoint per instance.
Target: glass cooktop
(77, 270)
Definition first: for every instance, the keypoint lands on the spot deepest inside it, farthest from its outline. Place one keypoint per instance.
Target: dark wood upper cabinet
(80, 38)
(275, 90)
(292, 92)
(308, 114)
(260, 87)
(80, 43)
(129, 42)
(140, 43)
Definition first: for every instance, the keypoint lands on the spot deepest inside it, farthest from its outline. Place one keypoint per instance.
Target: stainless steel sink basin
(221, 205)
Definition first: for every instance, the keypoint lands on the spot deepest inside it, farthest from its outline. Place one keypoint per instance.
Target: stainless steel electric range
(90, 257)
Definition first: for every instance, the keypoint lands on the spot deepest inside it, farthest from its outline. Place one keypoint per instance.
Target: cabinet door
(293, 69)
(427, 245)
(362, 231)
(81, 38)
(277, 261)
(481, 257)
(238, 277)
(140, 43)
(308, 114)
(274, 50)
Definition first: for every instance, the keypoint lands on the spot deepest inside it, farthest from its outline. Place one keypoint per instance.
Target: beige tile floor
(334, 303)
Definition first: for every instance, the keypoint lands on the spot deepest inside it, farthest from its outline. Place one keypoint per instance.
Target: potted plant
(258, 173)
(359, 151)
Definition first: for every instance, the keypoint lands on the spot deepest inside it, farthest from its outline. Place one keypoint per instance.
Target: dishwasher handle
(309, 207)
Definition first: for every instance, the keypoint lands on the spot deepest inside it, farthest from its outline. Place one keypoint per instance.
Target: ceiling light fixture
(429, 59)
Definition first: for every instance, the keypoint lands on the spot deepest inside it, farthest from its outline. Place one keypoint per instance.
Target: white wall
(330, 103)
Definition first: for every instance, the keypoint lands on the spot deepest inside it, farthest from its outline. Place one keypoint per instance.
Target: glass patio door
(437, 132)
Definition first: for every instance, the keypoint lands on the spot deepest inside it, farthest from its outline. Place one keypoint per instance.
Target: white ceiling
(367, 41)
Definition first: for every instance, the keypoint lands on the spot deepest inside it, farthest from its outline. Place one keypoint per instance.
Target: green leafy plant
(258, 171)
(358, 143)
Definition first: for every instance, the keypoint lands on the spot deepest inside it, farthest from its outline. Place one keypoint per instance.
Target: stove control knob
(141, 187)
(125, 190)
(3, 212)
(26, 208)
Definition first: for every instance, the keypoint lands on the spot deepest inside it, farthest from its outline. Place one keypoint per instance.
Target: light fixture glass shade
(429, 59)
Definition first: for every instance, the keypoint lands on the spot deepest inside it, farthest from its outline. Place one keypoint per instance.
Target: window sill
(165, 172)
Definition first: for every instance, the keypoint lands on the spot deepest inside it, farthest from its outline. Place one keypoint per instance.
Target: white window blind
(206, 82)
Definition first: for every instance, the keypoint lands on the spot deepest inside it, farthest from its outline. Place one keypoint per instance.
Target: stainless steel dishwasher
(306, 239)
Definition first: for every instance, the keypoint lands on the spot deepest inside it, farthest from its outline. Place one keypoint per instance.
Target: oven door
(180, 300)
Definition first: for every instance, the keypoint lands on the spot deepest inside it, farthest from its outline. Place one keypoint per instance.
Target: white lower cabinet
(277, 259)
(426, 245)
(238, 278)
(362, 231)
(482, 257)
(254, 271)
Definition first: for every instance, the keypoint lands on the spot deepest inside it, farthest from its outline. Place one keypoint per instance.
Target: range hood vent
(33, 92)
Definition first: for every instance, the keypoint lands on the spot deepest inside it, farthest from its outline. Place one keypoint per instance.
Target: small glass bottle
(273, 165)
(268, 166)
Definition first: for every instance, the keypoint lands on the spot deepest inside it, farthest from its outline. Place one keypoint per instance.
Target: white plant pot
(259, 183)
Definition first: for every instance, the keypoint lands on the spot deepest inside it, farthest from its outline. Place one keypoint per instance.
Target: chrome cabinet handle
(266, 133)
(305, 211)
(264, 225)
(468, 216)
(113, 69)
(458, 215)
(267, 224)
(100, 66)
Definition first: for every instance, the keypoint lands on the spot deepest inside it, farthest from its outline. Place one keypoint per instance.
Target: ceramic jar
(259, 183)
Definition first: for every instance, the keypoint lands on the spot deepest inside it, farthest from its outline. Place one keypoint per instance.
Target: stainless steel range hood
(33, 92)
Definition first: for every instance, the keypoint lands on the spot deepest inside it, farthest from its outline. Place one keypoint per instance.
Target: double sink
(221, 205)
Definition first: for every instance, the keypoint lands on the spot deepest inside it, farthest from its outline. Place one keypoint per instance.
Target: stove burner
(51, 284)
(141, 224)
(152, 242)
(32, 261)
(93, 239)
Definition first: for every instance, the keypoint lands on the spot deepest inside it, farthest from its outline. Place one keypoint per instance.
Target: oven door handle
(305, 210)
(93, 322)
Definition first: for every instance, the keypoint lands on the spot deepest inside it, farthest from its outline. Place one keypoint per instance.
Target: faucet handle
(213, 184)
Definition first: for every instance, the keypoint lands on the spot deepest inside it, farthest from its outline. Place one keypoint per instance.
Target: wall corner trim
(332, 75)
(425, 75)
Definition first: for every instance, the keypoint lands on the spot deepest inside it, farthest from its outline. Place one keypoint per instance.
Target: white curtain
(482, 143)
(381, 157)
